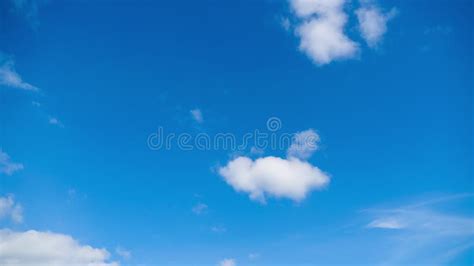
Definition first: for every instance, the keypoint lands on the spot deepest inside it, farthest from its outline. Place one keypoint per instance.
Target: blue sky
(383, 89)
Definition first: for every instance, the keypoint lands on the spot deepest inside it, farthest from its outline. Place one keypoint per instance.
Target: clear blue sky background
(395, 126)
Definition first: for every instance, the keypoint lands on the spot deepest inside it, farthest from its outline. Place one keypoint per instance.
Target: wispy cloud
(386, 223)
(285, 24)
(124, 253)
(196, 114)
(254, 256)
(28, 9)
(218, 229)
(11, 209)
(373, 22)
(10, 78)
(422, 229)
(7, 166)
(305, 143)
(200, 208)
(55, 121)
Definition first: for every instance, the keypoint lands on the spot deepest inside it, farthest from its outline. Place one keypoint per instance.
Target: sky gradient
(381, 89)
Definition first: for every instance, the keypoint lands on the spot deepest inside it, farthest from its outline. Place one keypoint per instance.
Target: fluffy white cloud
(322, 30)
(9, 77)
(373, 23)
(321, 25)
(305, 143)
(10, 209)
(228, 262)
(48, 249)
(291, 178)
(7, 166)
(196, 114)
(273, 176)
(305, 8)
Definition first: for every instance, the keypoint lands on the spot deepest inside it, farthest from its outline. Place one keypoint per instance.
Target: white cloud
(196, 114)
(46, 248)
(322, 30)
(9, 77)
(422, 230)
(228, 262)
(55, 121)
(200, 208)
(7, 166)
(10, 209)
(305, 8)
(124, 253)
(422, 220)
(291, 178)
(305, 143)
(373, 23)
(386, 223)
(273, 176)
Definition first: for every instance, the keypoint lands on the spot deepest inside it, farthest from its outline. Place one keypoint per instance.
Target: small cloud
(218, 229)
(196, 114)
(10, 209)
(304, 144)
(228, 262)
(285, 24)
(125, 254)
(373, 22)
(200, 208)
(36, 104)
(55, 121)
(7, 166)
(388, 223)
(10, 78)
